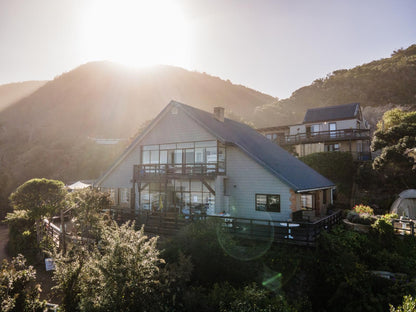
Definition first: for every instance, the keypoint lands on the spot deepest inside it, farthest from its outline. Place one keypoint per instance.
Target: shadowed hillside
(13, 92)
(378, 85)
(48, 134)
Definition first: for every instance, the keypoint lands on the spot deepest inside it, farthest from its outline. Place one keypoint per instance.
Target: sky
(273, 46)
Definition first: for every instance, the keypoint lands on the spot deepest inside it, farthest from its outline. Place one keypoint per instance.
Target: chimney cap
(219, 113)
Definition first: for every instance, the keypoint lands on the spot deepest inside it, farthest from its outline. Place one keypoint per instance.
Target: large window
(194, 154)
(267, 202)
(181, 195)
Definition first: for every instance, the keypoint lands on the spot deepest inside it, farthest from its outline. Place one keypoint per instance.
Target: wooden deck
(291, 232)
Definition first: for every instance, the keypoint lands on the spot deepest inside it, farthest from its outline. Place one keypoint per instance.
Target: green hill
(388, 82)
(50, 132)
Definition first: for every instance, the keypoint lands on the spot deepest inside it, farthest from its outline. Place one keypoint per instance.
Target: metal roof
(337, 112)
(272, 157)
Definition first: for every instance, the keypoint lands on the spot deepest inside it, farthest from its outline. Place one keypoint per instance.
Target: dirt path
(4, 238)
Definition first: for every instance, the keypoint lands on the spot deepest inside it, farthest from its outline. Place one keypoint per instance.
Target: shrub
(409, 305)
(362, 218)
(17, 289)
(361, 209)
(383, 224)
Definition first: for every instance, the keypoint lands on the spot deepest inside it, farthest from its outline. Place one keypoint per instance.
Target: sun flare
(136, 32)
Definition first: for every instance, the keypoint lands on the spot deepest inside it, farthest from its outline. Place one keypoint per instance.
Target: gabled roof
(272, 157)
(337, 112)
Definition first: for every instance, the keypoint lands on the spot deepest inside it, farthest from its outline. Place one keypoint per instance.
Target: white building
(191, 160)
(326, 129)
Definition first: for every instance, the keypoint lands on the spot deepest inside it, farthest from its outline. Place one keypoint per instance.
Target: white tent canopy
(405, 205)
(78, 185)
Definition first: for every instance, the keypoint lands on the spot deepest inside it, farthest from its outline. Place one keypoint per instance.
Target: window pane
(261, 202)
(163, 157)
(150, 147)
(273, 203)
(200, 155)
(124, 195)
(196, 186)
(307, 201)
(178, 156)
(211, 154)
(206, 144)
(167, 146)
(154, 157)
(221, 154)
(185, 145)
(145, 157)
(189, 156)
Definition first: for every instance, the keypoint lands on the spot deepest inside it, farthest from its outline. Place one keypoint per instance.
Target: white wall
(176, 128)
(341, 124)
(172, 128)
(245, 179)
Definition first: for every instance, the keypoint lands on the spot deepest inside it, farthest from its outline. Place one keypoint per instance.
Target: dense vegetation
(395, 137)
(339, 167)
(204, 268)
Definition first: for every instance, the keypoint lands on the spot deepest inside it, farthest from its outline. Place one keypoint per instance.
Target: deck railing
(404, 226)
(324, 136)
(293, 232)
(152, 170)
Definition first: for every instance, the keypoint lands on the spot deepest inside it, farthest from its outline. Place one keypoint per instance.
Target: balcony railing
(153, 170)
(325, 136)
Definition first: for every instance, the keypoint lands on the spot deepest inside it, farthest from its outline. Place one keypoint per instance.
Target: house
(326, 129)
(188, 160)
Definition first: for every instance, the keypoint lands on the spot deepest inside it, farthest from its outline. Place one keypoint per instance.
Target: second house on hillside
(189, 160)
(326, 129)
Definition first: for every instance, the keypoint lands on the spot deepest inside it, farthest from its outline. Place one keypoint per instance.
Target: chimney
(219, 113)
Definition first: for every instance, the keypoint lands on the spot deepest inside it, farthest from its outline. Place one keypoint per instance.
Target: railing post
(412, 227)
(251, 227)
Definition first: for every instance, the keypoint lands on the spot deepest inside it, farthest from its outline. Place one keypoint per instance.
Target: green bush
(22, 235)
(212, 262)
(409, 305)
(361, 209)
(339, 167)
(18, 291)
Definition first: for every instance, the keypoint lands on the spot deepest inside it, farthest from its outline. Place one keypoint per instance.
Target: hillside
(377, 85)
(47, 133)
(13, 92)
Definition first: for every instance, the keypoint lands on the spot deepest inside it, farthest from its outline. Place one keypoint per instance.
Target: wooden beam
(210, 189)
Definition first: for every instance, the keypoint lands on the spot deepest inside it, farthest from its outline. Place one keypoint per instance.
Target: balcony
(155, 171)
(325, 136)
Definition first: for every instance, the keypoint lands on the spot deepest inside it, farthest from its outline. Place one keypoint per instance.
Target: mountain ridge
(47, 131)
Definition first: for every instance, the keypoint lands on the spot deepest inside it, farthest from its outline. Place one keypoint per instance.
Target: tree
(409, 305)
(18, 291)
(41, 198)
(87, 208)
(123, 272)
(395, 137)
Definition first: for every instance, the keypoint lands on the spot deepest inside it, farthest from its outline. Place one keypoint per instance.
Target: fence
(293, 232)
(404, 226)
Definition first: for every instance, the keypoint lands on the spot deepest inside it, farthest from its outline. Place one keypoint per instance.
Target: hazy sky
(274, 46)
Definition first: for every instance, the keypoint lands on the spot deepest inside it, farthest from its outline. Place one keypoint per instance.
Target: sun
(136, 32)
